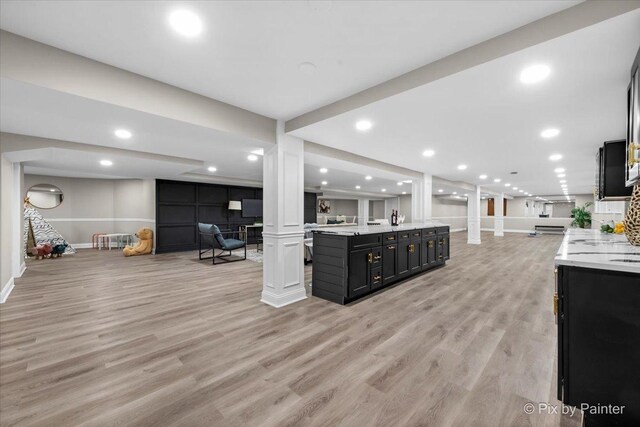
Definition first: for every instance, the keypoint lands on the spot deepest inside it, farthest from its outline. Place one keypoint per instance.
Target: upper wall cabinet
(610, 183)
(632, 175)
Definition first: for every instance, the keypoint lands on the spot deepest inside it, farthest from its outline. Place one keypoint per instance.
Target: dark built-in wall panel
(180, 206)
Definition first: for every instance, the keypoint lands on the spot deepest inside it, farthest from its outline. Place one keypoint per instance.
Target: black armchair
(212, 238)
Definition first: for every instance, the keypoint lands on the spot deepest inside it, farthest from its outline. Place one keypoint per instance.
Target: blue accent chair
(212, 238)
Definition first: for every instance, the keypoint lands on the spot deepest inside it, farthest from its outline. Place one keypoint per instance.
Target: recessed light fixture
(252, 157)
(561, 175)
(559, 170)
(515, 188)
(497, 180)
(483, 176)
(407, 181)
(106, 162)
(466, 195)
(185, 22)
(122, 133)
(368, 178)
(562, 181)
(52, 189)
(462, 167)
(521, 191)
(324, 182)
(555, 157)
(212, 169)
(550, 133)
(428, 153)
(383, 190)
(324, 170)
(357, 187)
(440, 190)
(483, 198)
(535, 73)
(404, 192)
(364, 125)
(507, 185)
(400, 183)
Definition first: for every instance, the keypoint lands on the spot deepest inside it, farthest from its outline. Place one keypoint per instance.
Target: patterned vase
(632, 218)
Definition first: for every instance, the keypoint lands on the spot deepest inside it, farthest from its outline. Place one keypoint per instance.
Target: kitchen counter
(374, 229)
(594, 249)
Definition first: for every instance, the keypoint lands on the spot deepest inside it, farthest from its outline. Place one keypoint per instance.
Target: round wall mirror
(45, 196)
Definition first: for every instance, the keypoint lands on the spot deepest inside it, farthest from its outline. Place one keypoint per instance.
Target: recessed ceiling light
(455, 192)
(52, 189)
(400, 183)
(106, 162)
(535, 73)
(404, 192)
(515, 188)
(407, 181)
(185, 22)
(562, 181)
(212, 169)
(324, 182)
(252, 157)
(521, 191)
(368, 178)
(561, 175)
(555, 157)
(497, 180)
(324, 170)
(122, 133)
(364, 125)
(507, 185)
(428, 153)
(483, 176)
(483, 198)
(550, 133)
(559, 170)
(462, 167)
(383, 190)
(357, 187)
(440, 190)
(466, 195)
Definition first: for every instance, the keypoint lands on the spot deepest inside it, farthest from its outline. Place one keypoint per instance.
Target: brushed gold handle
(393, 248)
(440, 257)
(370, 257)
(555, 304)
(377, 277)
(431, 244)
(377, 257)
(631, 155)
(391, 238)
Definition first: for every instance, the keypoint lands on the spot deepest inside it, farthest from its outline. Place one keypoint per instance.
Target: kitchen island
(352, 262)
(597, 305)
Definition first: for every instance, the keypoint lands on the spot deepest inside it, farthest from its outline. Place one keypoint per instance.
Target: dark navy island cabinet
(347, 267)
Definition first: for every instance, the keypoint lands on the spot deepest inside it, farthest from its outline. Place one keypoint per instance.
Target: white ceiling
(249, 52)
(487, 119)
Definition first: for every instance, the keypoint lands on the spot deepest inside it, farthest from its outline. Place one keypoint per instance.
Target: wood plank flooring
(97, 339)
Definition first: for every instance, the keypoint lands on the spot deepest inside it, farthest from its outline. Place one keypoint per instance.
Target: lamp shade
(235, 205)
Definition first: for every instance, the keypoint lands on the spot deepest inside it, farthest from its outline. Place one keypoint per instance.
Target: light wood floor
(97, 339)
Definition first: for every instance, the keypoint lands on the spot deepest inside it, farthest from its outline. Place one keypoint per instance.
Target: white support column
(473, 217)
(421, 203)
(391, 204)
(283, 180)
(498, 219)
(363, 211)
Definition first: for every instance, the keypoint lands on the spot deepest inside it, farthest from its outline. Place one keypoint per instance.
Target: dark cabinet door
(415, 260)
(403, 258)
(359, 269)
(429, 252)
(389, 263)
(445, 246)
(441, 249)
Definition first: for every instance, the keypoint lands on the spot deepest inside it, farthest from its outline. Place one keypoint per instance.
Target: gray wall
(99, 205)
(348, 207)
(376, 209)
(405, 207)
(6, 184)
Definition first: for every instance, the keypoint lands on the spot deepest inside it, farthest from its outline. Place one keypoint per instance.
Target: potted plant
(581, 216)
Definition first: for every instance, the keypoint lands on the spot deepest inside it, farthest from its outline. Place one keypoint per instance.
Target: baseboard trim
(278, 301)
(23, 267)
(6, 290)
(456, 230)
(508, 230)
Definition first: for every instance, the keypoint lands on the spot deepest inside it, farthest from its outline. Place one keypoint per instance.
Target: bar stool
(95, 240)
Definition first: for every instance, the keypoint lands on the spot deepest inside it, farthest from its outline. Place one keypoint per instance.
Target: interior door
(359, 269)
(490, 207)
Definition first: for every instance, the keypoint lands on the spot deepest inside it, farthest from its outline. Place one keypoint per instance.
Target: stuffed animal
(144, 245)
(58, 250)
(43, 250)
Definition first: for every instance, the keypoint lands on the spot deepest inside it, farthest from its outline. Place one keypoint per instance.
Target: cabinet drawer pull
(555, 304)
(391, 238)
(431, 244)
(393, 248)
(370, 257)
(377, 278)
(377, 257)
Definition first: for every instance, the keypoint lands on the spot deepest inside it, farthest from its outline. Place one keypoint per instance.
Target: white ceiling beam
(28, 61)
(550, 27)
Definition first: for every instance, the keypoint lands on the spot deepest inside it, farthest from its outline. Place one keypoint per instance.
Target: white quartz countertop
(374, 229)
(594, 249)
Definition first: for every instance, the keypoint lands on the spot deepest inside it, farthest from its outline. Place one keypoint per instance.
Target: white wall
(98, 205)
(11, 261)
(376, 209)
(405, 207)
(348, 207)
(452, 212)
